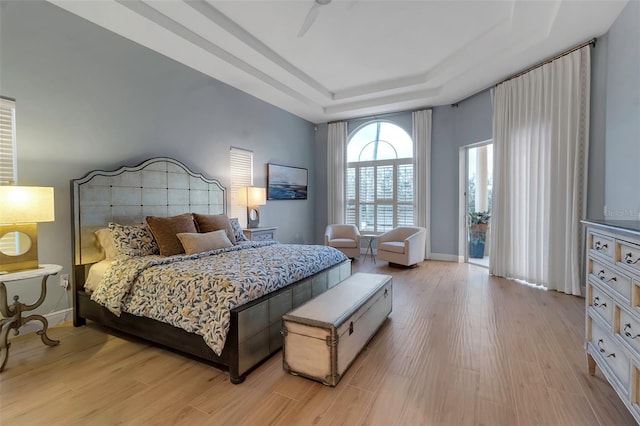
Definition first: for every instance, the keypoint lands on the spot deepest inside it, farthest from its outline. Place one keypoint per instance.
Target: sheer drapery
(336, 153)
(541, 135)
(422, 170)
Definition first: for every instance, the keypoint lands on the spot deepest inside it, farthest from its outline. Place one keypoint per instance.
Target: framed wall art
(286, 182)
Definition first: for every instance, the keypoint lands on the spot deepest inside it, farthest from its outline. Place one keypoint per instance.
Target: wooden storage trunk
(323, 337)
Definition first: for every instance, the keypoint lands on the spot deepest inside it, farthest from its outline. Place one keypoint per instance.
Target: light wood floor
(459, 348)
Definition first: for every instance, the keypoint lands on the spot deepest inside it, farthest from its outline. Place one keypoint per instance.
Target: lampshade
(21, 208)
(26, 204)
(256, 196)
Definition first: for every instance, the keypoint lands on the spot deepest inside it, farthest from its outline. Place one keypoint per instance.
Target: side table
(260, 234)
(371, 238)
(12, 314)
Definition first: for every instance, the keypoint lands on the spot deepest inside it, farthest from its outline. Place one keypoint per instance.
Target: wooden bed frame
(165, 187)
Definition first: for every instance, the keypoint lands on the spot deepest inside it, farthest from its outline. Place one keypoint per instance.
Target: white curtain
(541, 135)
(336, 154)
(422, 170)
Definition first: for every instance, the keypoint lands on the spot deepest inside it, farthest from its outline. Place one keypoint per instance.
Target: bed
(250, 327)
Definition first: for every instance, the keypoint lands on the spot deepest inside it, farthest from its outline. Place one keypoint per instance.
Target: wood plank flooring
(460, 348)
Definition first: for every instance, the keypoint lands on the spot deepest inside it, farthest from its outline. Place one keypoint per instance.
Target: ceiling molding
(241, 34)
(180, 30)
(435, 61)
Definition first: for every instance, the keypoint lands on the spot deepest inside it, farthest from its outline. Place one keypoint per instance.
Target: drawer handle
(626, 333)
(600, 246)
(602, 277)
(599, 305)
(628, 258)
(602, 350)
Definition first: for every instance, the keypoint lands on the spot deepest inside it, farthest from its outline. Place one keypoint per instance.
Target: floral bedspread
(197, 292)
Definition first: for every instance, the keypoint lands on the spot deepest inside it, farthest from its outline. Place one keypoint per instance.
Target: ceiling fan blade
(308, 21)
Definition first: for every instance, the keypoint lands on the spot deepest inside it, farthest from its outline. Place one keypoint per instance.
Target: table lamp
(21, 208)
(255, 197)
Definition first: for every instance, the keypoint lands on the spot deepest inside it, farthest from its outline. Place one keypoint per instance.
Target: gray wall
(622, 152)
(87, 99)
(597, 130)
(453, 128)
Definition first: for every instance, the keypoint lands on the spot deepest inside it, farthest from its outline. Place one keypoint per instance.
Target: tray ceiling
(359, 57)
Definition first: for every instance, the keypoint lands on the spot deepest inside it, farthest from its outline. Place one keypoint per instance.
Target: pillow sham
(214, 222)
(165, 230)
(201, 242)
(105, 242)
(237, 230)
(133, 240)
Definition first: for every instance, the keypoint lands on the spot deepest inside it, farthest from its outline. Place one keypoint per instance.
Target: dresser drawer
(608, 276)
(263, 236)
(601, 303)
(629, 329)
(629, 254)
(609, 351)
(605, 246)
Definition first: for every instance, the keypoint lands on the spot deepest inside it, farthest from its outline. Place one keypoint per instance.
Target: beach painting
(286, 183)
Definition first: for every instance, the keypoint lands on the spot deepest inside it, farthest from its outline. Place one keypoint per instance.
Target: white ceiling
(359, 57)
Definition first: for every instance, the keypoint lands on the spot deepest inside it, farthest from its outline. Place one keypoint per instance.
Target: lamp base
(18, 247)
(253, 217)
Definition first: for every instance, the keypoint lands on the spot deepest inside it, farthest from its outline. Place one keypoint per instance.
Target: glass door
(478, 199)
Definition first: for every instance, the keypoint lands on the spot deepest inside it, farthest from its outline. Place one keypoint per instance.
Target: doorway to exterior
(476, 164)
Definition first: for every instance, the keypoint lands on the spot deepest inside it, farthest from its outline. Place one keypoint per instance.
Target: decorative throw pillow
(133, 240)
(237, 230)
(105, 242)
(198, 242)
(165, 230)
(214, 222)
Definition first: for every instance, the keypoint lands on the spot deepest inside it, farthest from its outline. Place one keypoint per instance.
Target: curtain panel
(336, 154)
(422, 170)
(540, 135)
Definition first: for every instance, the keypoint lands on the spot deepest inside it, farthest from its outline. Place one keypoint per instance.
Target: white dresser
(613, 306)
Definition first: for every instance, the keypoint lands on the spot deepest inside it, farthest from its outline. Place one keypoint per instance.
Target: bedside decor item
(12, 314)
(286, 183)
(254, 197)
(22, 208)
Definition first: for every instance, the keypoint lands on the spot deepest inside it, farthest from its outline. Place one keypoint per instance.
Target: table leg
(4, 344)
(43, 333)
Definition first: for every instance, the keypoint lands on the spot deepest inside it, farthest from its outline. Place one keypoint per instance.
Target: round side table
(12, 314)
(369, 252)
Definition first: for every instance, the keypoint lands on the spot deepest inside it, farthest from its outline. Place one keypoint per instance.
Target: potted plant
(479, 222)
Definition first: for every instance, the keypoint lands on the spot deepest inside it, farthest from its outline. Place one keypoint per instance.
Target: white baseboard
(447, 257)
(54, 318)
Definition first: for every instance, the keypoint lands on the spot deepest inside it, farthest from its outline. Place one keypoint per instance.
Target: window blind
(241, 175)
(7, 142)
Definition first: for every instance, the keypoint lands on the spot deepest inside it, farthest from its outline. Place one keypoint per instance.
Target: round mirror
(15, 243)
(253, 214)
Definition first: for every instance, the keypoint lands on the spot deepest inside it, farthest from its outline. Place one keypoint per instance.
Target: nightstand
(260, 234)
(12, 314)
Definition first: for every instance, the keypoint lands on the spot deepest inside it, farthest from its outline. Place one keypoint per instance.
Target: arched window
(380, 177)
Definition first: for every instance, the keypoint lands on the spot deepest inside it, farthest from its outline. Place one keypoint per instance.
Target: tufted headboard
(157, 187)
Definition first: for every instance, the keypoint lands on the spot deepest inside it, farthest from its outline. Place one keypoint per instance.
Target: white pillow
(201, 242)
(105, 241)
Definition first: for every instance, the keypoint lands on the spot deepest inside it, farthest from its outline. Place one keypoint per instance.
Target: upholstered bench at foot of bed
(323, 337)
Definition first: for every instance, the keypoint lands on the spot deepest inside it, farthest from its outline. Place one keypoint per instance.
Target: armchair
(345, 238)
(404, 245)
